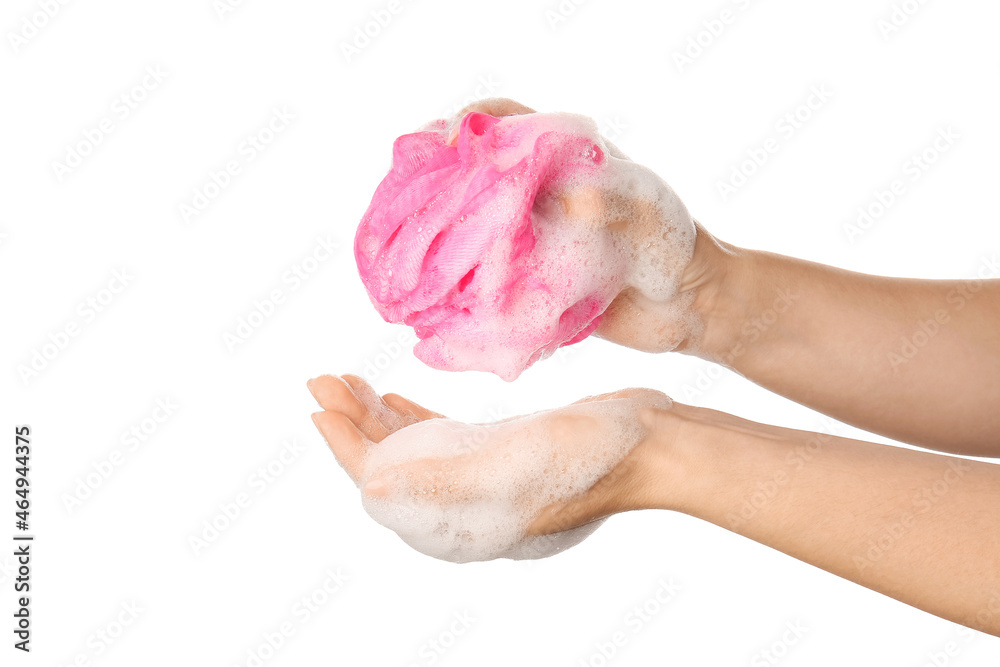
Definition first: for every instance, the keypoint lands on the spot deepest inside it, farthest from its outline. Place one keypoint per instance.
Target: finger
(585, 204)
(380, 420)
(366, 394)
(408, 407)
(344, 439)
(333, 393)
(494, 106)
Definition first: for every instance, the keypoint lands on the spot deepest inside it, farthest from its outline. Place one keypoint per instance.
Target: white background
(162, 337)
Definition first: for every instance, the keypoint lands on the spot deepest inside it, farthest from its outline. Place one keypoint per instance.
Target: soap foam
(512, 242)
(467, 492)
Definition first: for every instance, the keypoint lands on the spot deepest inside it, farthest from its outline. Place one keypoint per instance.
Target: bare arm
(920, 527)
(915, 360)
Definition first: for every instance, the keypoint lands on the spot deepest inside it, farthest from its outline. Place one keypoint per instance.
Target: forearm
(920, 527)
(888, 355)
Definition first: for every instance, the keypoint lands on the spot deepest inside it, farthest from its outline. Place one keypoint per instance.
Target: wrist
(703, 318)
(722, 280)
(703, 459)
(677, 443)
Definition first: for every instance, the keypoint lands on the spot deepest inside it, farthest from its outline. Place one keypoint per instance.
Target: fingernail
(310, 384)
(315, 418)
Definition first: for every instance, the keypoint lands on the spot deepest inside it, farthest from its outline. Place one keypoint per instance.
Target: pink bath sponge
(475, 247)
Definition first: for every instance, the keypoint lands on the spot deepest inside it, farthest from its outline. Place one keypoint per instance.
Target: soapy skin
(485, 483)
(470, 492)
(500, 239)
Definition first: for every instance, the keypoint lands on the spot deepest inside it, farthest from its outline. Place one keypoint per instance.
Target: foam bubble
(512, 242)
(468, 492)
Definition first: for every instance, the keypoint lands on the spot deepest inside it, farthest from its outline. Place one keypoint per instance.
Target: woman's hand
(530, 456)
(653, 313)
